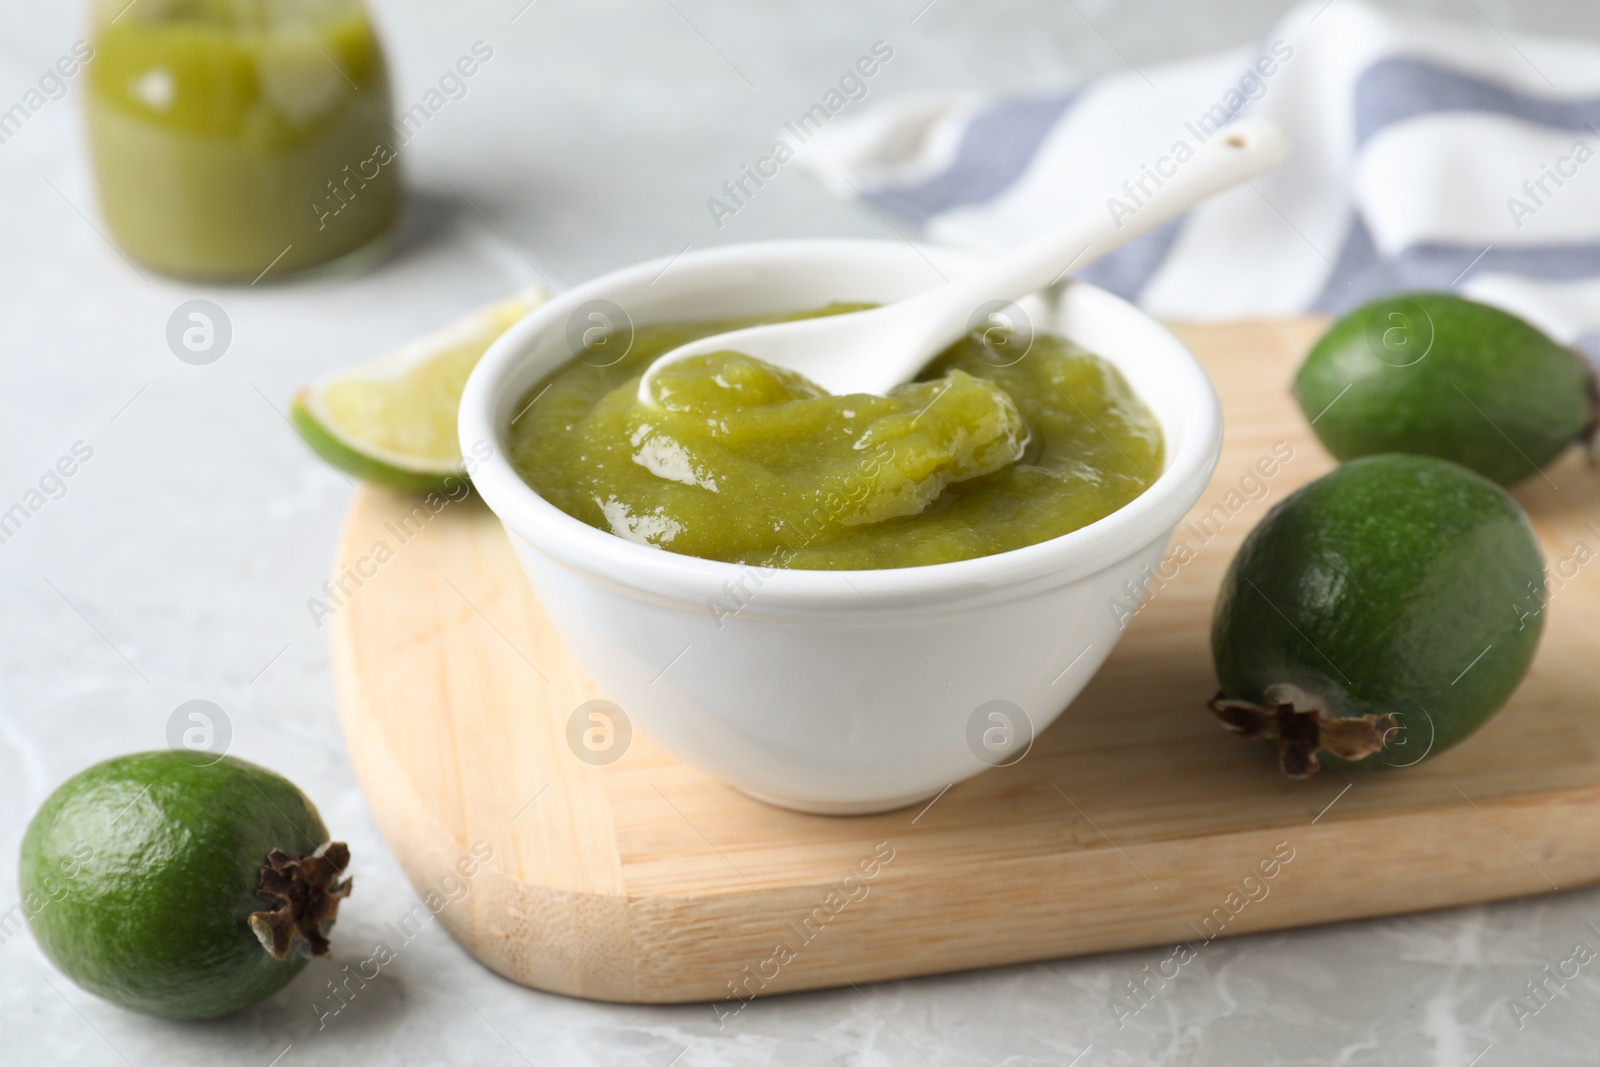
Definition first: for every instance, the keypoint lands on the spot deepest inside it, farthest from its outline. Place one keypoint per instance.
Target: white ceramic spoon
(873, 351)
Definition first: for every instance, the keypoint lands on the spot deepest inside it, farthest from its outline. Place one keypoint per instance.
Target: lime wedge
(393, 421)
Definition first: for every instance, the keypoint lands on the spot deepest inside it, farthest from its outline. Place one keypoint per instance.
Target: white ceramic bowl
(839, 691)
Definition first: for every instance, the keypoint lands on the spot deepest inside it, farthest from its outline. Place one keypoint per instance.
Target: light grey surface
(178, 563)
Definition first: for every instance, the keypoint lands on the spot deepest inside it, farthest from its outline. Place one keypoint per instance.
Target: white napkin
(1428, 155)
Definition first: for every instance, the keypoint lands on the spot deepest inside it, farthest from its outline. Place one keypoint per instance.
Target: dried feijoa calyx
(1378, 615)
(180, 886)
(1437, 375)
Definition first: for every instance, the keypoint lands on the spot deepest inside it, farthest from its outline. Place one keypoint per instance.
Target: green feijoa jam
(1378, 615)
(180, 887)
(745, 462)
(1437, 375)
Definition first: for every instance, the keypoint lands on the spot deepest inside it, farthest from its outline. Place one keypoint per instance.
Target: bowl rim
(658, 573)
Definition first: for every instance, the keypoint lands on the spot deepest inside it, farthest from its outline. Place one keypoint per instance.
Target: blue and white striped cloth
(1428, 155)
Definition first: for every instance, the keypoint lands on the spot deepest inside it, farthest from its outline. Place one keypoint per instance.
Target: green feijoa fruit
(180, 888)
(1437, 375)
(1378, 615)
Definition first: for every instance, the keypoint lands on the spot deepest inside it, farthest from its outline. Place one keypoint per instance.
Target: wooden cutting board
(1135, 820)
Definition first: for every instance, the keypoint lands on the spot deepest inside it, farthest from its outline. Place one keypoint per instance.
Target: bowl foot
(842, 807)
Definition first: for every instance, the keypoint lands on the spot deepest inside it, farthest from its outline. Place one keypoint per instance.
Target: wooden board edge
(588, 950)
(693, 949)
(587, 934)
(1026, 925)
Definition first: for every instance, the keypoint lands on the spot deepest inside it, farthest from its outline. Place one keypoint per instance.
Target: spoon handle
(873, 351)
(1237, 152)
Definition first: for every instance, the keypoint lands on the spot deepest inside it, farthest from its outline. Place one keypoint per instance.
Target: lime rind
(386, 472)
(393, 421)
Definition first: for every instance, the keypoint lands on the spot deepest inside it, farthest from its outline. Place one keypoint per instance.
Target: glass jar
(231, 138)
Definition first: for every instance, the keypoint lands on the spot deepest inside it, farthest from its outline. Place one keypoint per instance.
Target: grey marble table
(177, 561)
